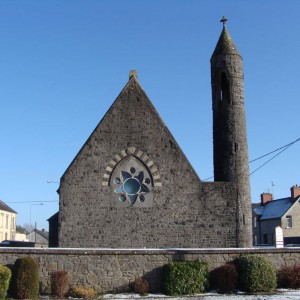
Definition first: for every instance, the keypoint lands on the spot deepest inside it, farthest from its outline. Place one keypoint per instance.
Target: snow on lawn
(280, 294)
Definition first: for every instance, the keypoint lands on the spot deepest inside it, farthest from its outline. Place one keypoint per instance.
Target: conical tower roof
(225, 44)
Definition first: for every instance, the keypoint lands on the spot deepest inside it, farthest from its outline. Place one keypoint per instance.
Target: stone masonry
(115, 270)
(131, 185)
(231, 162)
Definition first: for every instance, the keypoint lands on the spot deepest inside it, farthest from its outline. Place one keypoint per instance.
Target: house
(53, 232)
(270, 213)
(7, 222)
(39, 237)
(21, 237)
(131, 185)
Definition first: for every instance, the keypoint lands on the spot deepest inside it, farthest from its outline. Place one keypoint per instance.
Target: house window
(13, 223)
(289, 222)
(265, 238)
(6, 224)
(1, 219)
(255, 240)
(255, 222)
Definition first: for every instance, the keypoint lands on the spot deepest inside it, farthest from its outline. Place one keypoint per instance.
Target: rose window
(132, 187)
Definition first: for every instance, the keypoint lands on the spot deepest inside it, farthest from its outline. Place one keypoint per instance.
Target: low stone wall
(115, 269)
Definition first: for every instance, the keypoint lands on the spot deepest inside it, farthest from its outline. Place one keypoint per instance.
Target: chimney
(265, 198)
(295, 191)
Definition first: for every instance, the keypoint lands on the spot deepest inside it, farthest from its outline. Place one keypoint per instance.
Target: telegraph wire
(285, 147)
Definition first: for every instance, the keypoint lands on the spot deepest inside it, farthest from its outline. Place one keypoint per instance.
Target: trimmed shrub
(289, 277)
(59, 283)
(82, 292)
(256, 274)
(141, 286)
(5, 275)
(185, 278)
(224, 278)
(25, 279)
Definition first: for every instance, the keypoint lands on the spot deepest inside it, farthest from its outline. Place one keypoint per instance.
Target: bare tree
(28, 228)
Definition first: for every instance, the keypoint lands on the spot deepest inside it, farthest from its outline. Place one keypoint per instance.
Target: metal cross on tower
(224, 21)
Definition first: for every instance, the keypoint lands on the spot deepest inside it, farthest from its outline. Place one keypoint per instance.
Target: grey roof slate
(5, 207)
(43, 233)
(275, 208)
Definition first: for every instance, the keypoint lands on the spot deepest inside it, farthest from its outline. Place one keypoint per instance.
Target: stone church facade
(131, 186)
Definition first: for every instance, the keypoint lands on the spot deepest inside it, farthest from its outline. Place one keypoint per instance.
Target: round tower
(231, 162)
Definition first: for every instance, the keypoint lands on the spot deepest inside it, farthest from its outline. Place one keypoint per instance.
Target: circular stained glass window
(132, 186)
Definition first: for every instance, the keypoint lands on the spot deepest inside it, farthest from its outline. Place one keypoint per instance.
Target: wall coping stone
(144, 251)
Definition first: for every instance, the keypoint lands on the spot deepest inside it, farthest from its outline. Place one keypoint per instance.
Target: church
(131, 186)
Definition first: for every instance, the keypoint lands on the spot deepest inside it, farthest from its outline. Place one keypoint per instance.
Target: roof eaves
(5, 207)
(273, 218)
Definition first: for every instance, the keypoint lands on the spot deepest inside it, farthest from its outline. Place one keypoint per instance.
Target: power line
(285, 147)
(289, 145)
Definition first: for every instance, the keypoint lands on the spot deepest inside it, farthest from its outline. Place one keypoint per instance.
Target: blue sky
(63, 63)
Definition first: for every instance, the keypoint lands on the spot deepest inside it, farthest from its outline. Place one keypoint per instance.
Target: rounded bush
(256, 274)
(224, 278)
(289, 277)
(25, 279)
(185, 278)
(59, 283)
(5, 275)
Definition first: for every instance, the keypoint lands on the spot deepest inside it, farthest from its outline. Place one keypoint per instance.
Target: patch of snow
(281, 294)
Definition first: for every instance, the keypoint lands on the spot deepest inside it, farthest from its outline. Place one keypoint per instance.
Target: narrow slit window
(224, 91)
(236, 147)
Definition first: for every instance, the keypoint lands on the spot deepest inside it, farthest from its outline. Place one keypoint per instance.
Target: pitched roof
(135, 107)
(43, 233)
(5, 207)
(53, 217)
(225, 45)
(275, 208)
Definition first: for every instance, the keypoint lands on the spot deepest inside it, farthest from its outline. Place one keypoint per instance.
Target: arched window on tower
(224, 90)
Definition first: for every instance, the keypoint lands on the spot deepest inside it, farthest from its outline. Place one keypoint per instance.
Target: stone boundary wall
(115, 269)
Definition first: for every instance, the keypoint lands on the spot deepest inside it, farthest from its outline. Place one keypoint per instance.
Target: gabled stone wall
(178, 211)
